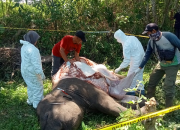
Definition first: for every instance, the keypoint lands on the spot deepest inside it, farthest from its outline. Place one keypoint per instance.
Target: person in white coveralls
(31, 68)
(133, 54)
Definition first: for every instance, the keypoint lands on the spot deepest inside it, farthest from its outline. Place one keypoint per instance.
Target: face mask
(155, 36)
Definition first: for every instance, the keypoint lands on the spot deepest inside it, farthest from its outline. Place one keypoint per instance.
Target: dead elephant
(64, 110)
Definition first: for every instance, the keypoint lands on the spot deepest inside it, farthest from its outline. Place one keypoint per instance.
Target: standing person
(62, 48)
(133, 54)
(166, 46)
(177, 23)
(31, 68)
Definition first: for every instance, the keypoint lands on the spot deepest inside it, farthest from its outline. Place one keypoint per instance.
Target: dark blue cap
(81, 35)
(150, 27)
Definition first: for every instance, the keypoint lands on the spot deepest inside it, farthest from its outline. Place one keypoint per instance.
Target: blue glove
(117, 70)
(137, 70)
(43, 76)
(68, 64)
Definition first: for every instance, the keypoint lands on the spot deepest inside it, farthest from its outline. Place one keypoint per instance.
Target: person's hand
(68, 64)
(117, 70)
(137, 70)
(43, 76)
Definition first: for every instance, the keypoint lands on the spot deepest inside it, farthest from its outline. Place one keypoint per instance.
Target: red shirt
(66, 43)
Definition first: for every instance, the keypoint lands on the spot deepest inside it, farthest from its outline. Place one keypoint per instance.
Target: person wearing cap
(166, 46)
(67, 44)
(133, 54)
(31, 68)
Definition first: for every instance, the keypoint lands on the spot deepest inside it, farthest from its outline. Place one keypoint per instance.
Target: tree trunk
(165, 12)
(153, 2)
(175, 6)
(147, 13)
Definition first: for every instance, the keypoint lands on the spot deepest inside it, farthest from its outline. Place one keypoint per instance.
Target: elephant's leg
(107, 104)
(128, 98)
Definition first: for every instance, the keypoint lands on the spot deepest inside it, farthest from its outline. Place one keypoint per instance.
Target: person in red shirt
(62, 48)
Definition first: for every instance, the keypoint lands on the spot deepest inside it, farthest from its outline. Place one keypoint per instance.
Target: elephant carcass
(96, 74)
(64, 107)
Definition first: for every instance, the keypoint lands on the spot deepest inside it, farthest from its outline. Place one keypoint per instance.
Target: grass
(15, 114)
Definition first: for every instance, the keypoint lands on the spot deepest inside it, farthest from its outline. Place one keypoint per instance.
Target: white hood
(120, 36)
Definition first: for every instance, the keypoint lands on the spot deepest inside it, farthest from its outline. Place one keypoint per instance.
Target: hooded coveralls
(133, 53)
(31, 69)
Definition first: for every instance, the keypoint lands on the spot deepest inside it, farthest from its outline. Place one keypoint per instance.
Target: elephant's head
(57, 111)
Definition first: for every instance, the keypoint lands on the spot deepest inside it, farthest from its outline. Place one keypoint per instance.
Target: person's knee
(170, 95)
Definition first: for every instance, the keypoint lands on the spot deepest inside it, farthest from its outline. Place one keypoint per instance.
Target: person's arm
(77, 51)
(63, 46)
(77, 56)
(148, 53)
(35, 58)
(63, 54)
(173, 39)
(127, 57)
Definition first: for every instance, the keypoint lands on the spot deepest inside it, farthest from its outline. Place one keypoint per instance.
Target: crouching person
(133, 54)
(166, 47)
(31, 68)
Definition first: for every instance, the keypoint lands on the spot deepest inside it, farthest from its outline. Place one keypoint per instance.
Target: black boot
(150, 92)
(169, 101)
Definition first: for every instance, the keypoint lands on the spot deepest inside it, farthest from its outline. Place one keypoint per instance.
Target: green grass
(15, 114)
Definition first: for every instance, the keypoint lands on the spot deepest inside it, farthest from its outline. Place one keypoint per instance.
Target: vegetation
(53, 19)
(16, 114)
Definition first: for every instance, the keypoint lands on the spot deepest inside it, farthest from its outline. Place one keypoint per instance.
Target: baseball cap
(81, 35)
(150, 27)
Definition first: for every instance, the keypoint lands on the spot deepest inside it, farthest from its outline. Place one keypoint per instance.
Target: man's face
(77, 40)
(151, 32)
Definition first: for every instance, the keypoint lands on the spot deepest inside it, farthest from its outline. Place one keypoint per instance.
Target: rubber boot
(150, 92)
(169, 101)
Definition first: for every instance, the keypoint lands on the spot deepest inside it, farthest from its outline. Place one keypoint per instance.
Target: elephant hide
(64, 107)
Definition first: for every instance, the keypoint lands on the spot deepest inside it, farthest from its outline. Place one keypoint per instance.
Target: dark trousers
(170, 79)
(56, 64)
(177, 32)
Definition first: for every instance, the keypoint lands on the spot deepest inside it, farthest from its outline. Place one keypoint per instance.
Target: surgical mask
(155, 36)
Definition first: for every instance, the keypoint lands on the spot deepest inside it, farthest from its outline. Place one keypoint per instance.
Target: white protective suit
(32, 73)
(133, 54)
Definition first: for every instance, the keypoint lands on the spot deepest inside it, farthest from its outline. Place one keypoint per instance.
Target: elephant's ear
(67, 97)
(49, 123)
(46, 115)
(43, 120)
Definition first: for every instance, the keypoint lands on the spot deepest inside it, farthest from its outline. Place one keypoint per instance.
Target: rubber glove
(43, 76)
(117, 70)
(137, 70)
(68, 64)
